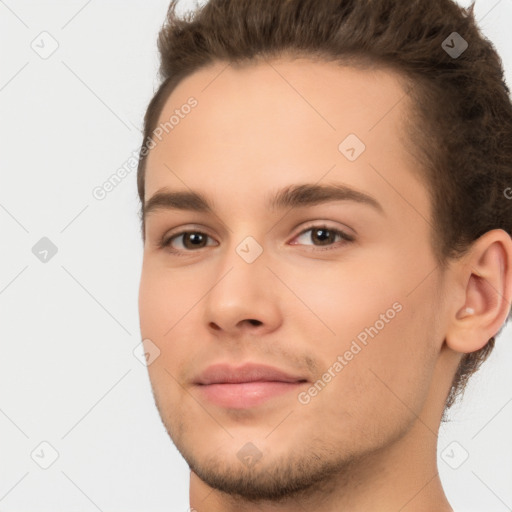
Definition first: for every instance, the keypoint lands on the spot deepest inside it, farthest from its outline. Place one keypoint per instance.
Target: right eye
(188, 241)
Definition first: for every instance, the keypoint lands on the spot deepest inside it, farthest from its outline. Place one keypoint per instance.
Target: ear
(484, 276)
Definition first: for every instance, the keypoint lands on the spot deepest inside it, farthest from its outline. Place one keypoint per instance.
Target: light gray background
(68, 374)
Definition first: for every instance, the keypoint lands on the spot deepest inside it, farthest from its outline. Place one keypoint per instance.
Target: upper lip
(249, 372)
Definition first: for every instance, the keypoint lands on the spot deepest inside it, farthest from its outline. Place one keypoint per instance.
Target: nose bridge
(244, 245)
(243, 266)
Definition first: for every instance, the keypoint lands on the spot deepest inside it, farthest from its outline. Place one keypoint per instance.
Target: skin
(367, 441)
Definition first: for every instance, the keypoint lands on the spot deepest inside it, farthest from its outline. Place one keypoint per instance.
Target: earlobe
(485, 275)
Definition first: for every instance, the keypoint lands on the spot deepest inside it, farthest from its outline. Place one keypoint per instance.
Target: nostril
(254, 322)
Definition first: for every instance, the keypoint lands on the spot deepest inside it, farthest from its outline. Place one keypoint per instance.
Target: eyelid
(182, 230)
(319, 224)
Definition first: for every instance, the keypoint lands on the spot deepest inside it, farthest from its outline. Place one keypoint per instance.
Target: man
(327, 256)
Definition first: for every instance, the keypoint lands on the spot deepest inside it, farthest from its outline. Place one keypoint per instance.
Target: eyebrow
(292, 196)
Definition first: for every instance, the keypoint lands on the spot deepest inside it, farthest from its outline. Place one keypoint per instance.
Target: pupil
(195, 238)
(322, 238)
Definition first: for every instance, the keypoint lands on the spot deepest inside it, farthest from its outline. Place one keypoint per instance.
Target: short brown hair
(460, 126)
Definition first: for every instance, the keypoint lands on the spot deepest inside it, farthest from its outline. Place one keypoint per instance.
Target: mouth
(244, 395)
(247, 386)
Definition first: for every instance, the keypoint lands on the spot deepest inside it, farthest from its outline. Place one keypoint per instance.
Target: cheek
(160, 308)
(379, 336)
(381, 388)
(163, 301)
(346, 299)
(168, 314)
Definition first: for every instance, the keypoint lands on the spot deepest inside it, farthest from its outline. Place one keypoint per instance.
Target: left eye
(324, 235)
(192, 240)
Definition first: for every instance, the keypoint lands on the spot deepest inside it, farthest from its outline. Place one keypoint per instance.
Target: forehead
(273, 123)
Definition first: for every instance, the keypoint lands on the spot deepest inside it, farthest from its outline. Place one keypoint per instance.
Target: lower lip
(245, 394)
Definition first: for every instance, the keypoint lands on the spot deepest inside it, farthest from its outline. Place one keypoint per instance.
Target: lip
(249, 372)
(245, 386)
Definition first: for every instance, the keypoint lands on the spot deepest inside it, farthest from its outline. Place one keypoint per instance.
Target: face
(338, 290)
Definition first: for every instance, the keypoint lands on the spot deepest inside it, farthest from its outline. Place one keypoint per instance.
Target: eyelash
(165, 243)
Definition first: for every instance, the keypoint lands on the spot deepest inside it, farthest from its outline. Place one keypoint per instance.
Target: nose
(244, 298)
